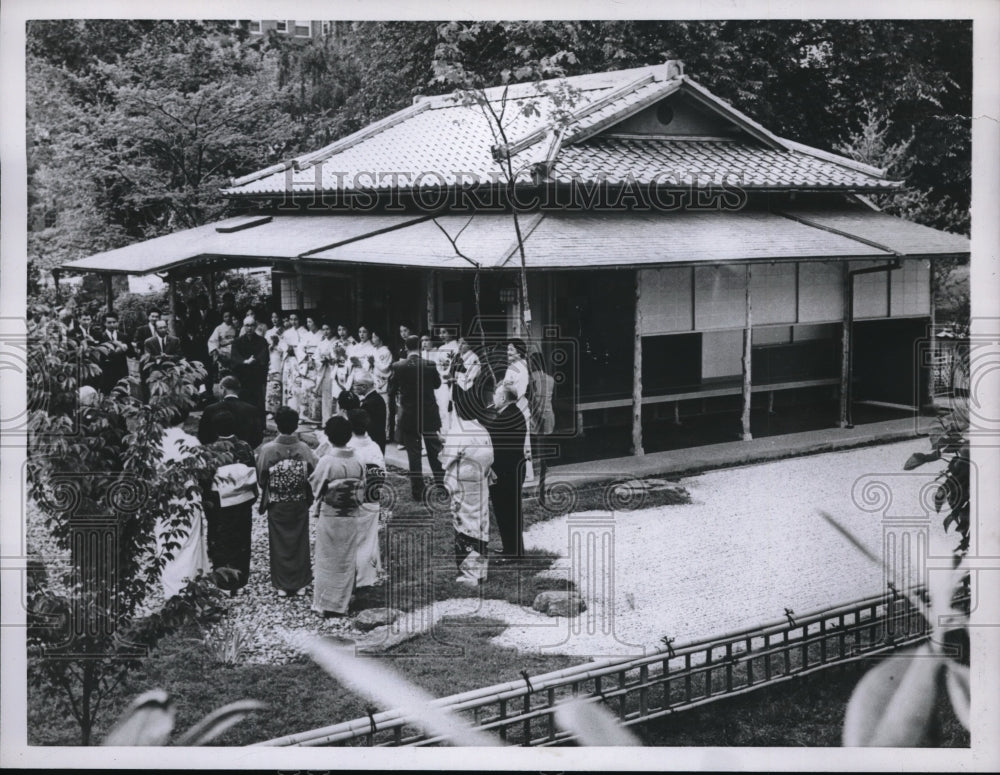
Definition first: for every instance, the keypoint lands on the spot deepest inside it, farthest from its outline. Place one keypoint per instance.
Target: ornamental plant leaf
(592, 724)
(369, 679)
(217, 722)
(893, 704)
(957, 682)
(148, 720)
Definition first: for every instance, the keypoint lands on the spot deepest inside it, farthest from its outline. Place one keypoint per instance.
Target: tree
(129, 142)
(459, 64)
(94, 472)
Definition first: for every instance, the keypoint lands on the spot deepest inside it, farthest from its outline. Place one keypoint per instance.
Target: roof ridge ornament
(674, 68)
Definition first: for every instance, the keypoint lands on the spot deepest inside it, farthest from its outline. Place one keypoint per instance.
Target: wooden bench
(705, 390)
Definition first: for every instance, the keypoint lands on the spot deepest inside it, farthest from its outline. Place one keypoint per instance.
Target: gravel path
(750, 544)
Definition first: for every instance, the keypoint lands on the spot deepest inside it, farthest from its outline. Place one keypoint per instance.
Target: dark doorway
(596, 310)
(886, 367)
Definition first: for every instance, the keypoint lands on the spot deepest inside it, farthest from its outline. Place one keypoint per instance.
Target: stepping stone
(555, 603)
(371, 618)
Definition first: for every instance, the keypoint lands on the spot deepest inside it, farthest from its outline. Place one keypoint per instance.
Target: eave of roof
(554, 240)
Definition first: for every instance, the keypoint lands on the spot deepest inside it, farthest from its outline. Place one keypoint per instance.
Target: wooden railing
(668, 681)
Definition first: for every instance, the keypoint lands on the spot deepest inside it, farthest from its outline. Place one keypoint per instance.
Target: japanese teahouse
(679, 257)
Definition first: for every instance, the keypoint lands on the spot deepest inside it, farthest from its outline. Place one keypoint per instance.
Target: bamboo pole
(637, 370)
(109, 293)
(747, 361)
(172, 322)
(429, 282)
(845, 345)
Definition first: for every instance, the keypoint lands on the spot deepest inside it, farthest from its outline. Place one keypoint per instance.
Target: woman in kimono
(191, 557)
(290, 363)
(343, 376)
(369, 557)
(382, 370)
(543, 419)
(338, 486)
(467, 457)
(518, 379)
(229, 511)
(273, 392)
(283, 469)
(326, 358)
(310, 405)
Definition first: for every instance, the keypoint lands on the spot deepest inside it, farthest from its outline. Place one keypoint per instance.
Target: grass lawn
(300, 696)
(806, 711)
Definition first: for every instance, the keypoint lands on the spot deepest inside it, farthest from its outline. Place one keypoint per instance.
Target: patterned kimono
(310, 405)
(467, 457)
(273, 394)
(289, 344)
(283, 469)
(326, 359)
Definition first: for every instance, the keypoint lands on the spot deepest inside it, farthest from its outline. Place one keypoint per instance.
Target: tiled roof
(716, 162)
(440, 142)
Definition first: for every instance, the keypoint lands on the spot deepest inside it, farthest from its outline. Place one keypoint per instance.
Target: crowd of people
(475, 412)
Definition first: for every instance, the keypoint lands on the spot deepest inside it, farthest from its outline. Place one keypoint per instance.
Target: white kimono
(191, 557)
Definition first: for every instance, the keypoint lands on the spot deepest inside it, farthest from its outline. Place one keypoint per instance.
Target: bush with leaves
(95, 471)
(895, 704)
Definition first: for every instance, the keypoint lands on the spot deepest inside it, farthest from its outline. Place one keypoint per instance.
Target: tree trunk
(86, 715)
(747, 361)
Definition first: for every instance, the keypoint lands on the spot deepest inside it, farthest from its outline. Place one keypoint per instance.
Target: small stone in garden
(555, 603)
(371, 618)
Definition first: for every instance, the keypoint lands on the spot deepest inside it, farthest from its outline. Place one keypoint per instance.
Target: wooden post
(359, 298)
(637, 370)
(211, 291)
(845, 345)
(747, 361)
(931, 387)
(430, 279)
(55, 280)
(109, 293)
(172, 323)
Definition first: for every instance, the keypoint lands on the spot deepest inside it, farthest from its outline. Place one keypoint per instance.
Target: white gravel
(750, 544)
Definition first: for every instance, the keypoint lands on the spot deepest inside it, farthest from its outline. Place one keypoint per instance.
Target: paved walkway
(712, 456)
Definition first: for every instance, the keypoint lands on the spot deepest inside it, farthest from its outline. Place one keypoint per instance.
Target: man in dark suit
(415, 379)
(114, 363)
(508, 429)
(249, 426)
(395, 432)
(161, 344)
(144, 332)
(249, 362)
(374, 404)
